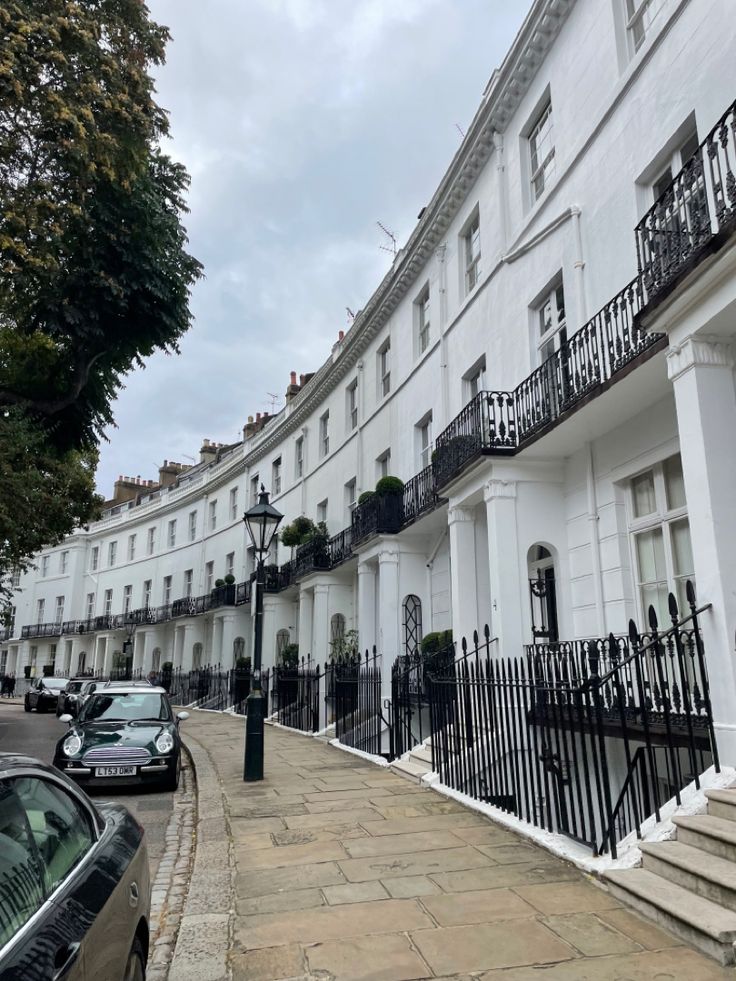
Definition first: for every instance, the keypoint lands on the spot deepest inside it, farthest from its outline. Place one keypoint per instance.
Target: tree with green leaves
(94, 271)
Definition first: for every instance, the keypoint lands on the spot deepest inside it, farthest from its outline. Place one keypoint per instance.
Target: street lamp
(261, 520)
(130, 623)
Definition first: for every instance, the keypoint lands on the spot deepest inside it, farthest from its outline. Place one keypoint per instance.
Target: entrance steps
(416, 763)
(688, 885)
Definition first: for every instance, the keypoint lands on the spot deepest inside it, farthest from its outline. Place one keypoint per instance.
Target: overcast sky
(301, 123)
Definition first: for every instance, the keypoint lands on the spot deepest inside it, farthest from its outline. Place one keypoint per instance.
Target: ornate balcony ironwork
(419, 497)
(380, 515)
(341, 547)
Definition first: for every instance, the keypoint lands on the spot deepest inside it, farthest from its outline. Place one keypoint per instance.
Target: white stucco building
(602, 463)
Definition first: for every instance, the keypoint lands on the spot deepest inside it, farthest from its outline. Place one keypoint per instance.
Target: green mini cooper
(123, 734)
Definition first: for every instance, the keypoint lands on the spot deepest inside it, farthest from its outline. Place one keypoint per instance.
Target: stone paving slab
(342, 871)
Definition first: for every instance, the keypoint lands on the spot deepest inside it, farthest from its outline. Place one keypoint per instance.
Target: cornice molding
(702, 350)
(505, 90)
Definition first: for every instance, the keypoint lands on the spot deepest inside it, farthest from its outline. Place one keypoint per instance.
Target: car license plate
(114, 771)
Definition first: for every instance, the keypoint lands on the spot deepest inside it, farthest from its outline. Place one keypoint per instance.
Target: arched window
(196, 656)
(412, 608)
(238, 648)
(542, 594)
(283, 638)
(156, 659)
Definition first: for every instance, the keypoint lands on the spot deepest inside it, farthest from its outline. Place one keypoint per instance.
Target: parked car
(43, 695)
(74, 881)
(123, 734)
(73, 695)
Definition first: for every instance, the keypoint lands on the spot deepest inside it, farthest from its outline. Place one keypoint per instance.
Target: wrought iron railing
(357, 702)
(693, 212)
(312, 556)
(295, 698)
(419, 496)
(533, 735)
(341, 547)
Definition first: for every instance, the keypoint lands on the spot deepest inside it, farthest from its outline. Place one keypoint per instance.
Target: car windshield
(55, 682)
(120, 706)
(74, 686)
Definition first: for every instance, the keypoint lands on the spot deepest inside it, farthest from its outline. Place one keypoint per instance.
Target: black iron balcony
(695, 213)
(41, 630)
(341, 547)
(243, 593)
(220, 596)
(379, 515)
(312, 556)
(419, 496)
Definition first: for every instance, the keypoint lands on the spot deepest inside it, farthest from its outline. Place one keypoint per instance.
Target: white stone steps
(722, 804)
(413, 771)
(421, 754)
(711, 834)
(704, 874)
(700, 922)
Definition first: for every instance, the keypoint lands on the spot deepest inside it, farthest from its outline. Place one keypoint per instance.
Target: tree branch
(51, 407)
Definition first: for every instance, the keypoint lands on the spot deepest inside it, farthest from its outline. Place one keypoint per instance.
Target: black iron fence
(296, 700)
(357, 686)
(212, 686)
(568, 746)
(408, 712)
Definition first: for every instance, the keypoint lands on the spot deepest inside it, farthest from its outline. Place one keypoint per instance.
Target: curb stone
(168, 890)
(206, 926)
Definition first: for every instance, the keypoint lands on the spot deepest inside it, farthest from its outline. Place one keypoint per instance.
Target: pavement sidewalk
(334, 868)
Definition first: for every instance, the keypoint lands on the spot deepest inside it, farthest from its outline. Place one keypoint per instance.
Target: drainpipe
(579, 266)
(359, 440)
(503, 197)
(440, 253)
(595, 544)
(305, 464)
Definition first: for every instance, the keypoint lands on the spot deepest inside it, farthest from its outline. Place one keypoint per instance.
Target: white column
(226, 641)
(504, 566)
(306, 619)
(320, 624)
(366, 606)
(142, 651)
(187, 640)
(179, 647)
(389, 628)
(463, 595)
(701, 370)
(217, 638)
(270, 621)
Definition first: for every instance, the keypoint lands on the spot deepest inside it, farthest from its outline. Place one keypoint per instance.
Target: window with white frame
(230, 564)
(233, 503)
(383, 465)
(209, 576)
(254, 490)
(112, 553)
(131, 547)
(40, 610)
(551, 323)
(322, 510)
(475, 379)
(147, 593)
(660, 534)
(384, 368)
(167, 590)
(324, 433)
(423, 430)
(151, 543)
(351, 405)
(15, 579)
(63, 562)
(59, 610)
(276, 476)
(641, 15)
(94, 558)
(213, 515)
(470, 252)
(107, 608)
(299, 457)
(90, 605)
(127, 598)
(172, 533)
(44, 566)
(421, 319)
(541, 151)
(188, 582)
(192, 525)
(350, 496)
(52, 654)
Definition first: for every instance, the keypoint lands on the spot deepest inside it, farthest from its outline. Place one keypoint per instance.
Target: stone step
(722, 804)
(421, 755)
(704, 874)
(412, 771)
(711, 834)
(698, 921)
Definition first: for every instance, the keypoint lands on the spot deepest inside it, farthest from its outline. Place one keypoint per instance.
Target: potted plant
(48, 670)
(229, 588)
(390, 499)
(290, 657)
(241, 678)
(345, 647)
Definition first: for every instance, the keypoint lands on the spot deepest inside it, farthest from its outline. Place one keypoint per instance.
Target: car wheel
(40, 707)
(26, 704)
(171, 780)
(135, 969)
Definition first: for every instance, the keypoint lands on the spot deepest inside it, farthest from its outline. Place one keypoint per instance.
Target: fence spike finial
(690, 593)
(464, 646)
(487, 633)
(653, 623)
(633, 632)
(475, 638)
(674, 611)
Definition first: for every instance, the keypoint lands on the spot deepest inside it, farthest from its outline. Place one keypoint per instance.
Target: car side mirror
(66, 718)
(182, 716)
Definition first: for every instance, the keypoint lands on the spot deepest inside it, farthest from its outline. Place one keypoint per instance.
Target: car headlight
(72, 744)
(165, 742)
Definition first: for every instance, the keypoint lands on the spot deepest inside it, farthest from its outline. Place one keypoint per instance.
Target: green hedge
(436, 641)
(389, 485)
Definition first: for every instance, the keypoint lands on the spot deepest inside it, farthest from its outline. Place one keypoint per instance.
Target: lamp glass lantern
(262, 521)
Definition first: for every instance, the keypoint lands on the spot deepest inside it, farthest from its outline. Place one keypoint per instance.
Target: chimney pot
(293, 378)
(258, 416)
(301, 379)
(340, 335)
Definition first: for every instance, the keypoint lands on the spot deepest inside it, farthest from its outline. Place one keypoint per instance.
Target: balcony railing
(419, 496)
(695, 212)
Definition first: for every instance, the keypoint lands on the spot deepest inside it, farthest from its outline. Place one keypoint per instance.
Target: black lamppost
(262, 520)
(130, 623)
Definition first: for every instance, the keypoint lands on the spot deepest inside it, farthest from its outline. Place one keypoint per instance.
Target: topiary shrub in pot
(389, 485)
(436, 641)
(390, 499)
(290, 657)
(366, 496)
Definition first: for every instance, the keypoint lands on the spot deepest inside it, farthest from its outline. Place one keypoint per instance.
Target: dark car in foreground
(74, 881)
(73, 695)
(43, 695)
(124, 734)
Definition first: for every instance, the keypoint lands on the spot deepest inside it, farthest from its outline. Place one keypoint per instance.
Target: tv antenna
(274, 399)
(388, 248)
(459, 128)
(351, 315)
